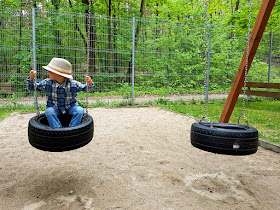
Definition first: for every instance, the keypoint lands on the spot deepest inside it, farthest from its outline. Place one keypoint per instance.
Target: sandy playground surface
(140, 158)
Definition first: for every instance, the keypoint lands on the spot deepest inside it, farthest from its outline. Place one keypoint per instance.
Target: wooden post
(255, 38)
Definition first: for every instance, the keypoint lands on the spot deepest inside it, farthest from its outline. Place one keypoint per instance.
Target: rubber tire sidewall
(225, 138)
(45, 138)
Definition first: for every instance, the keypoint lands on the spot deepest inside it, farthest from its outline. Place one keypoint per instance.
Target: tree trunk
(92, 38)
(142, 12)
(56, 32)
(111, 57)
(20, 34)
(137, 33)
(91, 41)
(78, 28)
(236, 9)
(43, 9)
(114, 46)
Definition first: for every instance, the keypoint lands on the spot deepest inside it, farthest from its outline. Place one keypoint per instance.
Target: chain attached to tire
(88, 48)
(246, 66)
(205, 65)
(29, 23)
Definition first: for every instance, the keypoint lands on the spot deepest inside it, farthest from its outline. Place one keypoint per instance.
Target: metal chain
(88, 48)
(29, 23)
(205, 58)
(246, 65)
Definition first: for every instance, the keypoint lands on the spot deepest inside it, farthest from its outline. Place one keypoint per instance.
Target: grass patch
(4, 113)
(8, 108)
(160, 91)
(263, 115)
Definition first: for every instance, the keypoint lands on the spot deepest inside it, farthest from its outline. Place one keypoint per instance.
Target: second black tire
(225, 138)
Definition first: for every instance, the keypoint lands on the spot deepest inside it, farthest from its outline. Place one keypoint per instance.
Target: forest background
(169, 43)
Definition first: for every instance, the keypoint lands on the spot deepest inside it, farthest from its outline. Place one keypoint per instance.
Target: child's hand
(32, 74)
(88, 80)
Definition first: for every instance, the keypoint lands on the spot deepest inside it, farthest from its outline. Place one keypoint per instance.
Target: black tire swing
(43, 137)
(224, 138)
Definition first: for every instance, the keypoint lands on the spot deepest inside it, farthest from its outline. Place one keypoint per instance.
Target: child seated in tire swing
(61, 91)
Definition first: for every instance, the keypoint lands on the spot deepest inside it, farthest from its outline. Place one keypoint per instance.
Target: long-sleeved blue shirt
(63, 96)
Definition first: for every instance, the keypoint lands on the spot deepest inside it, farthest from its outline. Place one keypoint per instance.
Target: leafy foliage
(170, 45)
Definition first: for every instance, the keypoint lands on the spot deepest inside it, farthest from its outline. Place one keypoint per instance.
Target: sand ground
(139, 158)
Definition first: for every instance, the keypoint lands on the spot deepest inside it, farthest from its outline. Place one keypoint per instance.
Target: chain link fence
(168, 56)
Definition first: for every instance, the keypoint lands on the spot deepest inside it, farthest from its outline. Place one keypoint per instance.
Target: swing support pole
(255, 38)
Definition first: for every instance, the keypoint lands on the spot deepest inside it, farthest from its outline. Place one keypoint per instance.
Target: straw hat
(61, 67)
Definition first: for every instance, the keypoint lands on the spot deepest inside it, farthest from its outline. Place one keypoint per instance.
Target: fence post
(133, 53)
(208, 63)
